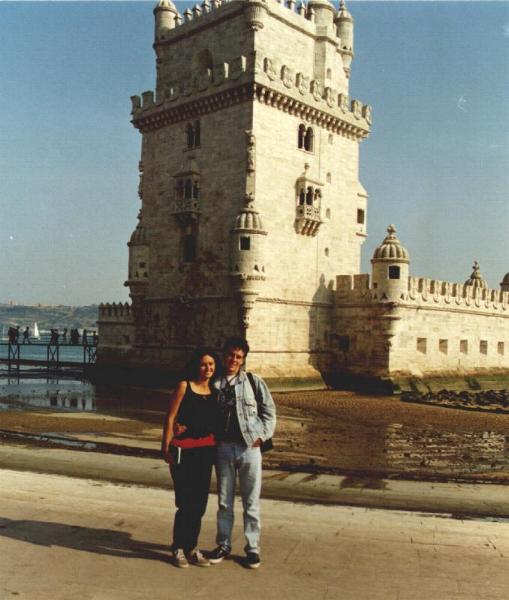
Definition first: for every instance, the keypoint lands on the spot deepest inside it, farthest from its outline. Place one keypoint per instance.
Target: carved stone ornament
(303, 83)
(287, 76)
(269, 69)
(344, 103)
(367, 113)
(317, 89)
(329, 96)
(356, 109)
(254, 16)
(251, 152)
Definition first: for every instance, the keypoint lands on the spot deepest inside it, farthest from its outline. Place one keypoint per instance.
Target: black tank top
(199, 413)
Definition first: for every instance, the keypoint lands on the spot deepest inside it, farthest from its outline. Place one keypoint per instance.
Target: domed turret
(324, 12)
(504, 284)
(247, 258)
(390, 268)
(165, 14)
(138, 262)
(476, 280)
(344, 23)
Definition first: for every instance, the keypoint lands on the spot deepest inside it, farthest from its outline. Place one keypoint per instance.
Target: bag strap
(255, 392)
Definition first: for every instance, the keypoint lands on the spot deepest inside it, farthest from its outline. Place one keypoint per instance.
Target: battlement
(115, 312)
(425, 292)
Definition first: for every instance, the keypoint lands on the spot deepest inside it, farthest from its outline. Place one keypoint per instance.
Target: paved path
(63, 538)
(460, 499)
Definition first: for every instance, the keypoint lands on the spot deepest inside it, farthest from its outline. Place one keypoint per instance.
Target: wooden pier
(52, 362)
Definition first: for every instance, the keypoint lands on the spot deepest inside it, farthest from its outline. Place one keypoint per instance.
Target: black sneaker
(218, 554)
(252, 560)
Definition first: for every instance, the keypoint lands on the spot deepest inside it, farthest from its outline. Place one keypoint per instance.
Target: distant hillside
(48, 317)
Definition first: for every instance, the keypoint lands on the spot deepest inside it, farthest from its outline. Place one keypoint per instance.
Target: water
(39, 352)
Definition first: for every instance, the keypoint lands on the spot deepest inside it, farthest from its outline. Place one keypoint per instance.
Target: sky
(436, 163)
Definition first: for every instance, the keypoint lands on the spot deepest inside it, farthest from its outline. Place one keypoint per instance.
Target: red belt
(202, 442)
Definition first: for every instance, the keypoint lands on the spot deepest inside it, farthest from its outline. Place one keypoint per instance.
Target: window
(394, 272)
(483, 347)
(309, 140)
(189, 248)
(326, 252)
(361, 215)
(331, 138)
(306, 138)
(188, 189)
(464, 346)
(329, 74)
(443, 346)
(245, 243)
(329, 178)
(422, 345)
(501, 348)
(193, 135)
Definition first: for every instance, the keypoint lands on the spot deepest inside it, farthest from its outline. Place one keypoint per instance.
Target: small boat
(36, 335)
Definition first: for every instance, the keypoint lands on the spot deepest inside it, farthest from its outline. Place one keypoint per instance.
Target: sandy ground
(327, 431)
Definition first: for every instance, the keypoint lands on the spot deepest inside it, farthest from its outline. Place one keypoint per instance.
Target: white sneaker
(197, 558)
(179, 558)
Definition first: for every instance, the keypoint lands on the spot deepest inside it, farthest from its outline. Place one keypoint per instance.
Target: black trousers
(191, 480)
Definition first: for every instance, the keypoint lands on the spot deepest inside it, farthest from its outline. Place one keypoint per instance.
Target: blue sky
(436, 164)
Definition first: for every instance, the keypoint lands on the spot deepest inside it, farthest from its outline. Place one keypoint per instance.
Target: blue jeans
(247, 462)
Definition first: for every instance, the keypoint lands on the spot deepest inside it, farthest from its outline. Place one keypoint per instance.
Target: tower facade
(251, 203)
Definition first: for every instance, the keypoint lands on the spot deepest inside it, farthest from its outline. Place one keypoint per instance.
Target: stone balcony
(187, 210)
(308, 219)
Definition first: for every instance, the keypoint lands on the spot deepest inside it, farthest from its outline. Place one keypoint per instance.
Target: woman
(189, 448)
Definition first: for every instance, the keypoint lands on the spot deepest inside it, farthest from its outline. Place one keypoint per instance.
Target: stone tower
(251, 199)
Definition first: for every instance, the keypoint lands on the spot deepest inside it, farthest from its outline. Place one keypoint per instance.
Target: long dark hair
(192, 369)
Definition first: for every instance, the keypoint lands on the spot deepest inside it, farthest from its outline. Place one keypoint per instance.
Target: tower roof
(166, 5)
(391, 249)
(476, 279)
(343, 12)
(249, 218)
(505, 280)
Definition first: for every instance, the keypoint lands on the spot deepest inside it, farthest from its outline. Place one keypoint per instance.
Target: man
(245, 424)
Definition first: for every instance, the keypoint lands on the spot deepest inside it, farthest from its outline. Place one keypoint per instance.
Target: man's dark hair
(236, 342)
(192, 369)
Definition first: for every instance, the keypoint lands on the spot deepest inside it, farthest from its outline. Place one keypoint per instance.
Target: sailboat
(36, 335)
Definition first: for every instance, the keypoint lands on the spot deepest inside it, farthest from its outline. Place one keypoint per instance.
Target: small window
(327, 213)
(245, 243)
(309, 140)
(501, 348)
(331, 139)
(443, 346)
(302, 135)
(361, 216)
(326, 251)
(329, 74)
(190, 135)
(483, 347)
(193, 134)
(196, 190)
(394, 272)
(464, 346)
(422, 344)
(189, 248)
(329, 178)
(197, 133)
(142, 265)
(188, 189)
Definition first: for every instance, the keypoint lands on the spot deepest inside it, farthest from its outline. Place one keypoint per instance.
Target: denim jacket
(251, 425)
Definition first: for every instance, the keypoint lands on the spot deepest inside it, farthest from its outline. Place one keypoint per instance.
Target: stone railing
(115, 312)
(308, 219)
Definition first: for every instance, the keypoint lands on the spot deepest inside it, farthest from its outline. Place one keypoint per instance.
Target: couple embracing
(222, 418)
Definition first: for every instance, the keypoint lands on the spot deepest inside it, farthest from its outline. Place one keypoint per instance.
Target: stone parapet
(115, 313)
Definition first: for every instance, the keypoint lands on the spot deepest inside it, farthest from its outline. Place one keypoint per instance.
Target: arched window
(318, 197)
(302, 197)
(189, 189)
(309, 196)
(302, 135)
(190, 135)
(197, 133)
(309, 140)
(196, 190)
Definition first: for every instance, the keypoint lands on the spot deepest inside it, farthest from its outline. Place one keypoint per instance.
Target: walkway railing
(53, 355)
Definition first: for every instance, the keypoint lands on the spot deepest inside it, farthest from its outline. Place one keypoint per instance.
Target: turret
(138, 263)
(476, 280)
(324, 12)
(344, 23)
(165, 14)
(247, 258)
(390, 269)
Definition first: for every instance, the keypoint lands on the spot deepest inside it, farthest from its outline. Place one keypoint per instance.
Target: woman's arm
(175, 401)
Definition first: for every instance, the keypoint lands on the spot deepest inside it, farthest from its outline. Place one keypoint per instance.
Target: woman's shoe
(197, 558)
(179, 559)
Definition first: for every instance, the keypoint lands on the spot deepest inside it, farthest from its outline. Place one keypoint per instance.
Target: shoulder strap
(255, 391)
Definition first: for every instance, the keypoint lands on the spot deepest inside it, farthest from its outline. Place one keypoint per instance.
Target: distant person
(64, 335)
(75, 337)
(95, 339)
(26, 336)
(12, 335)
(17, 334)
(84, 339)
(54, 337)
